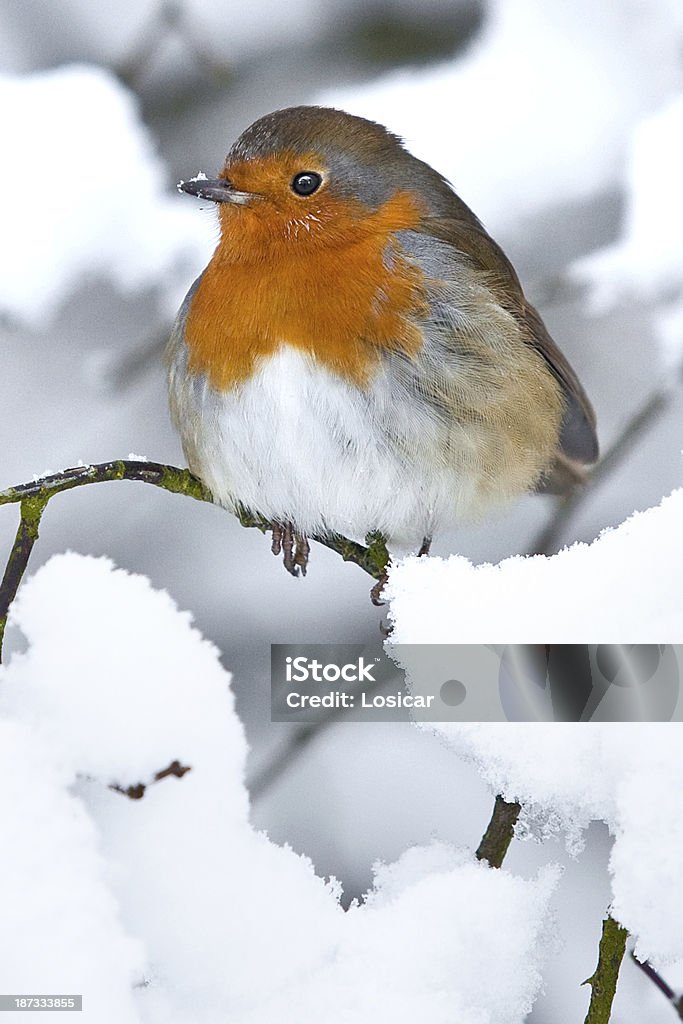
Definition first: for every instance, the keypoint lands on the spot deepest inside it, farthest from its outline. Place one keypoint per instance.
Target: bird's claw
(376, 592)
(293, 547)
(424, 547)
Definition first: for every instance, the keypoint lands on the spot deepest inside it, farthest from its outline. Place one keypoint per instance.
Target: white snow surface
(84, 195)
(61, 928)
(625, 586)
(171, 907)
(539, 110)
(625, 774)
(622, 588)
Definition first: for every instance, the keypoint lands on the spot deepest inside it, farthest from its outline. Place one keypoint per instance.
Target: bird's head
(309, 177)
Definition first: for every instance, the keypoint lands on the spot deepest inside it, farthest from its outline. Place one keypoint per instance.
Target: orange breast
(343, 300)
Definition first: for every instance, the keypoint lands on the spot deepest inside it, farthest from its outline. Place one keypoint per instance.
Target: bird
(359, 358)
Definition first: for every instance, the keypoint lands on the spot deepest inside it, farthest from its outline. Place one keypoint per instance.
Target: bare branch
(663, 986)
(138, 789)
(603, 981)
(27, 534)
(179, 481)
(499, 833)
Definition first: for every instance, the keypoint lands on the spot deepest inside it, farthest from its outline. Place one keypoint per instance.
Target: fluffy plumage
(364, 358)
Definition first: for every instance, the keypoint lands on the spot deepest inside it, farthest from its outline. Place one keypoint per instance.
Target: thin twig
(603, 981)
(656, 978)
(34, 496)
(499, 832)
(138, 789)
(179, 481)
(551, 536)
(27, 534)
(298, 742)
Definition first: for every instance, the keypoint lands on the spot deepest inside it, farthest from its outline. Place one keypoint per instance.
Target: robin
(359, 355)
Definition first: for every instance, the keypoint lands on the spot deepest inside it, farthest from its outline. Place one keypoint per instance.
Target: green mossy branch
(34, 496)
(603, 981)
(499, 833)
(31, 510)
(170, 478)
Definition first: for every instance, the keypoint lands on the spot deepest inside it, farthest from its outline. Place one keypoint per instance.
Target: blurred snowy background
(560, 123)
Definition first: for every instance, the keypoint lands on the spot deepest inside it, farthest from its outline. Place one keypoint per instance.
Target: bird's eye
(305, 183)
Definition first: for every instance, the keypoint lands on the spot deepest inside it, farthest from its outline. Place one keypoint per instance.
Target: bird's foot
(293, 547)
(376, 592)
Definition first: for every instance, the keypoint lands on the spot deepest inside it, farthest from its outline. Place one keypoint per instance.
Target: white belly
(299, 444)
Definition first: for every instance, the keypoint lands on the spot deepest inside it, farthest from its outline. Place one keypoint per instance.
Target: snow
(623, 587)
(481, 964)
(537, 111)
(625, 774)
(648, 258)
(172, 906)
(90, 199)
(61, 930)
(648, 824)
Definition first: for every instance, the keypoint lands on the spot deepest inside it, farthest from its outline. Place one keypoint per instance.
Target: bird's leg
(276, 546)
(301, 552)
(293, 546)
(424, 547)
(376, 592)
(288, 549)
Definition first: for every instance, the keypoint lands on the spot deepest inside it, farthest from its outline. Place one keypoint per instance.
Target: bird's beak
(218, 190)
